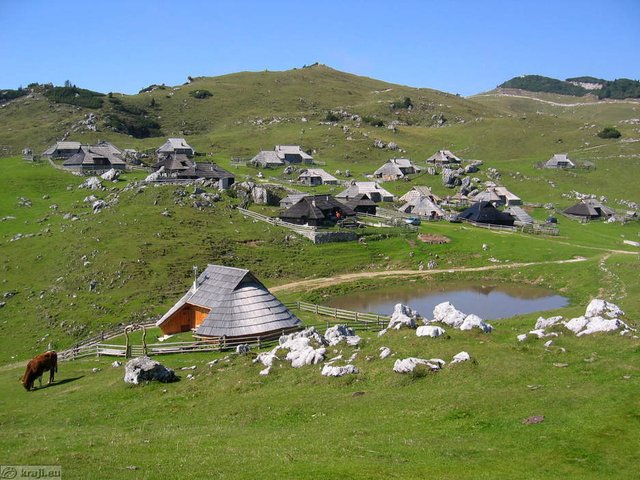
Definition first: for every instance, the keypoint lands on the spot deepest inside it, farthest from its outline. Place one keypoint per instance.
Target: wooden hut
(591, 209)
(316, 176)
(230, 303)
(423, 207)
(395, 169)
(176, 145)
(485, 212)
(316, 211)
(372, 189)
(361, 203)
(443, 157)
(62, 150)
(95, 159)
(559, 160)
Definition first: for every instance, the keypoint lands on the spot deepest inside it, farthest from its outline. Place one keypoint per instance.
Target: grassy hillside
(463, 422)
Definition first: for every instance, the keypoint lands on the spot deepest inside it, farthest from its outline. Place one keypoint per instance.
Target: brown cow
(37, 366)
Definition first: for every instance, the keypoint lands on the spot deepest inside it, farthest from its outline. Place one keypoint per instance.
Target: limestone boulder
(144, 369)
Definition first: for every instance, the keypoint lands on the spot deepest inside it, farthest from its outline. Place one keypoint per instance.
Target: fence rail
(305, 230)
(359, 318)
(96, 346)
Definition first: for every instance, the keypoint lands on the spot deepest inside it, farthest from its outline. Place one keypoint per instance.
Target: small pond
(488, 301)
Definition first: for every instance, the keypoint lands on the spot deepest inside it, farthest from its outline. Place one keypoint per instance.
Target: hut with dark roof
(230, 303)
(317, 211)
(485, 212)
(361, 203)
(591, 209)
(95, 159)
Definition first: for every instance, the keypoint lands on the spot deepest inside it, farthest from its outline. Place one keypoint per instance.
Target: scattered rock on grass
(533, 420)
(333, 371)
(144, 369)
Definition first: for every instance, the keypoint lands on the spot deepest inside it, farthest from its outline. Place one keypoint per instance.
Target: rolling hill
(67, 273)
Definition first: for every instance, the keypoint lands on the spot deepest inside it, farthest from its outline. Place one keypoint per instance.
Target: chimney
(195, 278)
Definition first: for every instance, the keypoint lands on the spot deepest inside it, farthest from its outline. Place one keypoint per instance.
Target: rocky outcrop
(339, 333)
(599, 316)
(446, 313)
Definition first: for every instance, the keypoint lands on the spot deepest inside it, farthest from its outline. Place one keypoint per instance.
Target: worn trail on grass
(556, 104)
(350, 277)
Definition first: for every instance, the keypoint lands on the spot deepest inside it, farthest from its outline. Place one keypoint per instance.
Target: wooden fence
(359, 320)
(95, 346)
(305, 230)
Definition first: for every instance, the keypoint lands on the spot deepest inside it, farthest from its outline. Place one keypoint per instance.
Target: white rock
(461, 357)
(382, 332)
(309, 333)
(332, 371)
(408, 365)
(116, 364)
(448, 314)
(306, 356)
(338, 333)
(92, 183)
(522, 337)
(548, 343)
(265, 371)
(538, 333)
(599, 308)
(430, 331)
(402, 316)
(576, 324)
(155, 175)
(243, 349)
(474, 321)
(266, 358)
(547, 322)
(599, 324)
(110, 175)
(384, 352)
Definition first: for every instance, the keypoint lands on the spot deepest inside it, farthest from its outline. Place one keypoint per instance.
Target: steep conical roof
(239, 304)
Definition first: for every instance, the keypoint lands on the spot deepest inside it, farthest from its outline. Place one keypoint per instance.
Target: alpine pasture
(464, 421)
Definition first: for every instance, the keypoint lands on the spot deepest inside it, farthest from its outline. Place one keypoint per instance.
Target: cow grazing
(37, 366)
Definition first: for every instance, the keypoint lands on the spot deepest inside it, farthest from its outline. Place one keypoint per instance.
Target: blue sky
(459, 46)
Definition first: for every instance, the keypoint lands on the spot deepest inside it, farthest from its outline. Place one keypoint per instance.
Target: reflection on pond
(489, 301)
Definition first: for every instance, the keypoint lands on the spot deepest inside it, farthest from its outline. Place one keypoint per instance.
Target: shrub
(538, 83)
(152, 87)
(137, 126)
(200, 94)
(406, 103)
(331, 117)
(609, 132)
(6, 95)
(373, 121)
(75, 96)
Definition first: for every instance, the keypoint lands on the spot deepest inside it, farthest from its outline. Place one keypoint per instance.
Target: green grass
(464, 422)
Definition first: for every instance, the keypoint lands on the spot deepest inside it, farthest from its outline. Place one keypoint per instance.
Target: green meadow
(229, 422)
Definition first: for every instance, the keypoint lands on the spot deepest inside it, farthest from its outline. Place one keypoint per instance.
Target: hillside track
(314, 283)
(556, 104)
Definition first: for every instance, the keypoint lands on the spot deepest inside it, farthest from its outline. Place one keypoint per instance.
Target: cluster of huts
(175, 160)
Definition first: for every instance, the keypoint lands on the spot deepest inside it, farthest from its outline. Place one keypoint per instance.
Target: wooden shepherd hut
(317, 211)
(485, 212)
(229, 303)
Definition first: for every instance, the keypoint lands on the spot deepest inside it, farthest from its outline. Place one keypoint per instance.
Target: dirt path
(350, 277)
(557, 104)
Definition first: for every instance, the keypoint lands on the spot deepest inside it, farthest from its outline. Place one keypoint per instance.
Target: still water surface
(489, 302)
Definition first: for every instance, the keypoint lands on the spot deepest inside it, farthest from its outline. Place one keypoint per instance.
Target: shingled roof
(238, 303)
